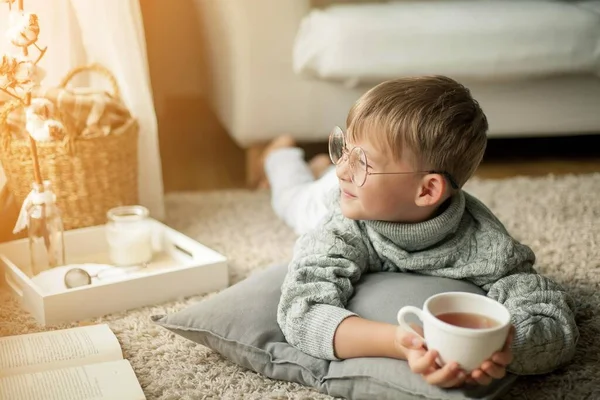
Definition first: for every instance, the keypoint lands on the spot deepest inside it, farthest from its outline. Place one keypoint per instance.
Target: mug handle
(404, 311)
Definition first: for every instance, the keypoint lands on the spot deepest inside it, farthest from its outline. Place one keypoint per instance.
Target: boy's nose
(342, 170)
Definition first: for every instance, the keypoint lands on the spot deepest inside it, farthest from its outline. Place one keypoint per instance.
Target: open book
(69, 364)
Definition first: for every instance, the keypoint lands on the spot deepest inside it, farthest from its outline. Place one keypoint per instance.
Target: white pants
(296, 196)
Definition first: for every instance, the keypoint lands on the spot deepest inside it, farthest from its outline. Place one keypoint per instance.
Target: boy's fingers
(481, 377)
(456, 382)
(412, 341)
(493, 370)
(503, 359)
(423, 364)
(430, 370)
(443, 376)
(417, 328)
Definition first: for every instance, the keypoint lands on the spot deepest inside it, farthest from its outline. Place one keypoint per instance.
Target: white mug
(469, 347)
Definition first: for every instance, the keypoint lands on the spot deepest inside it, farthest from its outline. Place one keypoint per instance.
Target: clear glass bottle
(45, 230)
(129, 236)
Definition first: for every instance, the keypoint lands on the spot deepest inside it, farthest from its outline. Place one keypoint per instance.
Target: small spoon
(76, 277)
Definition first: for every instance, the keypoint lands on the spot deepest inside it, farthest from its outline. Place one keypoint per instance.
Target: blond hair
(434, 117)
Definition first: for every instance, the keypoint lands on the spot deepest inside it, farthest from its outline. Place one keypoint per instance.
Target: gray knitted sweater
(465, 241)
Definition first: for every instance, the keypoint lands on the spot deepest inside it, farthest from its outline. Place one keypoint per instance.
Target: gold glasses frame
(357, 158)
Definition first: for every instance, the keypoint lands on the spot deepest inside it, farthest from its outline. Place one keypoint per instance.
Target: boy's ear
(431, 190)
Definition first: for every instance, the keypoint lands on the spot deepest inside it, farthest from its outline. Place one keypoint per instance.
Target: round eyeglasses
(357, 160)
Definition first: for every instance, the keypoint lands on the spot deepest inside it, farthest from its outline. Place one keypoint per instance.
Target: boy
(410, 146)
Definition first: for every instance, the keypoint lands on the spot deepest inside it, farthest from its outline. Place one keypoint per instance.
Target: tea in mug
(468, 320)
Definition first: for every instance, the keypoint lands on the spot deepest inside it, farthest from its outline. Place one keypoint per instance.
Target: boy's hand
(422, 361)
(495, 367)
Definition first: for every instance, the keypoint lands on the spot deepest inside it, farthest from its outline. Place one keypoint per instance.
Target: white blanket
(474, 39)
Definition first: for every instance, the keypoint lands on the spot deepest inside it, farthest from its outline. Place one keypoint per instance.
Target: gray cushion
(240, 323)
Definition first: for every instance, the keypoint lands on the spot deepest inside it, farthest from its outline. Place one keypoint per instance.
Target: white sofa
(258, 95)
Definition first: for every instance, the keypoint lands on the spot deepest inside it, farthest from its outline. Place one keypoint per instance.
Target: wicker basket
(90, 174)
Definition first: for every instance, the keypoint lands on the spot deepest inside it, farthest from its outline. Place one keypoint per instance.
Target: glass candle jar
(129, 235)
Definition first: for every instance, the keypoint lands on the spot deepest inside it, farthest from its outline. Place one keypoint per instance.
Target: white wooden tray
(181, 267)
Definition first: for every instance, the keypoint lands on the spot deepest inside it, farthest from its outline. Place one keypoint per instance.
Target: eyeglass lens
(357, 159)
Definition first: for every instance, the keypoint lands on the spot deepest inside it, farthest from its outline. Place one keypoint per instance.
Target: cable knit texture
(465, 241)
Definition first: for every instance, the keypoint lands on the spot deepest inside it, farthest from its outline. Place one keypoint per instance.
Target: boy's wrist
(358, 337)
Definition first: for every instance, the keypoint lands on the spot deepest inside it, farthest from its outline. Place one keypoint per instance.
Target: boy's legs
(297, 196)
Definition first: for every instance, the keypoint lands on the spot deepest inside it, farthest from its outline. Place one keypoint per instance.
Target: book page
(58, 349)
(110, 380)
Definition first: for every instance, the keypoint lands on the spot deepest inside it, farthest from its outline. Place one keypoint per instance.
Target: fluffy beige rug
(559, 217)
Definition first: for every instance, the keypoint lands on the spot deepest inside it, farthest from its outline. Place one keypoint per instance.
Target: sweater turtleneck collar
(421, 235)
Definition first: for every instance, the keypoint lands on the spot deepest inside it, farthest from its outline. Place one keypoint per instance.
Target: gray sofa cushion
(240, 323)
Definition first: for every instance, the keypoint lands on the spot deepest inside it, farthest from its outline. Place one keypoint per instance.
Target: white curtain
(109, 32)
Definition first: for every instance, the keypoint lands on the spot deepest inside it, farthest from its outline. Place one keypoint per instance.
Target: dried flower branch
(40, 124)
(19, 75)
(24, 29)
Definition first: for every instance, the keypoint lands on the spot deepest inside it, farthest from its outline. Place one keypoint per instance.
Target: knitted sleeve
(327, 263)
(542, 312)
